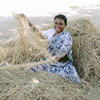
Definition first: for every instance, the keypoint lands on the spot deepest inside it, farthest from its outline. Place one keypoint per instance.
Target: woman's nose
(57, 25)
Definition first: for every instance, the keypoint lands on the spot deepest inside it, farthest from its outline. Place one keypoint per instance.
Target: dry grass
(16, 83)
(86, 40)
(26, 85)
(27, 46)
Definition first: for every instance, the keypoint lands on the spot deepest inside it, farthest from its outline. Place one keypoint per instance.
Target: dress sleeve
(66, 45)
(48, 34)
(45, 34)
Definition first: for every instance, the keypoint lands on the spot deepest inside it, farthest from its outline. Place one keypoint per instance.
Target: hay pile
(27, 85)
(27, 46)
(86, 48)
(21, 84)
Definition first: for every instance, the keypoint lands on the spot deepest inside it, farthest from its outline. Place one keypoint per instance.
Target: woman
(60, 46)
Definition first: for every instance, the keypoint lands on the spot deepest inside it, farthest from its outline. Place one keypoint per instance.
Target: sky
(40, 7)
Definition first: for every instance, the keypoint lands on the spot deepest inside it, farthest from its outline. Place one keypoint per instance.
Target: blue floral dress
(58, 45)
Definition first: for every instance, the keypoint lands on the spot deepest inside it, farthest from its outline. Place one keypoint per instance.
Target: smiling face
(59, 25)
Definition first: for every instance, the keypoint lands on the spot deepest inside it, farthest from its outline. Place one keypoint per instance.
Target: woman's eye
(58, 23)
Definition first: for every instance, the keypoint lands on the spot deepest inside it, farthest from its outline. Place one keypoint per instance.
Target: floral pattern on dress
(61, 44)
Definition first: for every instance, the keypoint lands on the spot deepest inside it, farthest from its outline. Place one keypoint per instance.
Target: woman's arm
(41, 34)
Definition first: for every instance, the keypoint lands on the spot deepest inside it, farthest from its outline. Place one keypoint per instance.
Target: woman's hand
(56, 58)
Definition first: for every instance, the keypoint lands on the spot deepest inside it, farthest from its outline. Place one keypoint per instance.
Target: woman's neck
(57, 33)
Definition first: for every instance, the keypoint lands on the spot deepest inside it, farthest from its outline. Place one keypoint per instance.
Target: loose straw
(12, 67)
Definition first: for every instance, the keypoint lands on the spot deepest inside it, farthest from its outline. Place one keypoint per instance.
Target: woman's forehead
(59, 20)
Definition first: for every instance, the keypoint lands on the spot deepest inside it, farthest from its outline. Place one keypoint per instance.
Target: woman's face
(59, 25)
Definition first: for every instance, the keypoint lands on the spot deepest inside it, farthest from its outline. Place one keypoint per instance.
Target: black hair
(62, 17)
